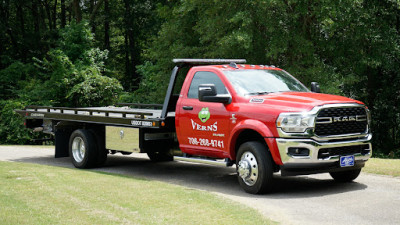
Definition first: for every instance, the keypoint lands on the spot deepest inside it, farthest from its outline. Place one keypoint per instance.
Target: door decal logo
(204, 115)
(212, 127)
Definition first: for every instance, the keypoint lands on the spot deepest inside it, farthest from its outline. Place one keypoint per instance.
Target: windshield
(259, 82)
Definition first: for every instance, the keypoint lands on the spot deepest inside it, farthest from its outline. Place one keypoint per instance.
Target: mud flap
(62, 142)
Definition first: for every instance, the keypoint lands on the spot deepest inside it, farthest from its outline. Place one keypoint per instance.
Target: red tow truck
(258, 117)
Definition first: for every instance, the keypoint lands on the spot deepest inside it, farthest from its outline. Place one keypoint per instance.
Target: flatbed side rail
(88, 111)
(97, 116)
(140, 105)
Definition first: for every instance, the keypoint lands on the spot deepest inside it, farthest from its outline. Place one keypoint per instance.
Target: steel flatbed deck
(118, 116)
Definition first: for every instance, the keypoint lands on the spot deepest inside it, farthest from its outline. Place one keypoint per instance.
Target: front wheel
(254, 167)
(345, 176)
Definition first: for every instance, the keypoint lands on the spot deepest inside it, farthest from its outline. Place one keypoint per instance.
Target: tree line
(98, 52)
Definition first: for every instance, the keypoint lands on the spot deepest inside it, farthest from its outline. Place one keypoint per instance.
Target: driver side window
(204, 77)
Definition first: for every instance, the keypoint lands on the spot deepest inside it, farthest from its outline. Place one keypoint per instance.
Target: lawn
(389, 167)
(38, 194)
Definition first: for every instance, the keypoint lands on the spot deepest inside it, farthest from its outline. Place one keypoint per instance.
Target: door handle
(187, 107)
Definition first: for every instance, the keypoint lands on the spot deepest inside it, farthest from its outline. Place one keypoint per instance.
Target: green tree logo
(204, 115)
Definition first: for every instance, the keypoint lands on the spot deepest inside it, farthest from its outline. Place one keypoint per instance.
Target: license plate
(346, 161)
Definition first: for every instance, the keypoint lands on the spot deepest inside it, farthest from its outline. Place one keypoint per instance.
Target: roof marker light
(234, 65)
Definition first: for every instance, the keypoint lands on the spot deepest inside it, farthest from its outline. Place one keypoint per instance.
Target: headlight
(295, 123)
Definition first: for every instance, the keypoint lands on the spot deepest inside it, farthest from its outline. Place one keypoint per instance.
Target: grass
(389, 167)
(38, 194)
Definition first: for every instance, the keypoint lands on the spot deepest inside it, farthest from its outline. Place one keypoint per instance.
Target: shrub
(12, 129)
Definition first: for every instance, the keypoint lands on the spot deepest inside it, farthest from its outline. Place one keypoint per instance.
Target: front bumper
(311, 160)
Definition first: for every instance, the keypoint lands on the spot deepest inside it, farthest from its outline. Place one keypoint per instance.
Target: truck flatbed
(119, 116)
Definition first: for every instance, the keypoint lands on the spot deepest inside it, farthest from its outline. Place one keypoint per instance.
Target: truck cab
(265, 120)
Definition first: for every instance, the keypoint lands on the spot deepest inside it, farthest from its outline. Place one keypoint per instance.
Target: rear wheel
(83, 149)
(255, 168)
(345, 176)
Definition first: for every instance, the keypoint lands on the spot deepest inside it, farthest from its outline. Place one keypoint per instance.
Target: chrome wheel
(85, 149)
(78, 149)
(247, 168)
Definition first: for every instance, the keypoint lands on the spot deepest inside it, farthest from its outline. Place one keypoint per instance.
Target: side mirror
(208, 93)
(315, 87)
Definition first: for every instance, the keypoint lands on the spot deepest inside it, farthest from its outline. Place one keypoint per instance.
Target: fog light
(298, 151)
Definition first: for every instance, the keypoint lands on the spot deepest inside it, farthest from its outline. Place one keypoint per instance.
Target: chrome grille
(339, 121)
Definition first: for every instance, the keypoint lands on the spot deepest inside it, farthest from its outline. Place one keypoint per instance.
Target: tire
(345, 176)
(161, 156)
(83, 149)
(255, 168)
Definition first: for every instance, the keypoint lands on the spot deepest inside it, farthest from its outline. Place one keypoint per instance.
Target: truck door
(203, 127)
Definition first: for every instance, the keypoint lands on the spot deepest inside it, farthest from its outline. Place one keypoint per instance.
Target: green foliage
(72, 76)
(75, 40)
(12, 129)
(92, 89)
(48, 87)
(362, 42)
(10, 77)
(151, 90)
(263, 33)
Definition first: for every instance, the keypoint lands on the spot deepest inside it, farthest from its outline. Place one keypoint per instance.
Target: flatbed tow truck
(227, 112)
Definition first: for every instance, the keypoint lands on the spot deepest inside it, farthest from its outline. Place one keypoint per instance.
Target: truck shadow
(224, 180)
(217, 179)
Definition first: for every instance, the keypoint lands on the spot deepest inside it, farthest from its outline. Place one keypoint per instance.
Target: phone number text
(206, 142)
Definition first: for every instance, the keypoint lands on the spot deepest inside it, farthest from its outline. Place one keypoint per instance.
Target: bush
(12, 129)
(72, 74)
(10, 77)
(93, 89)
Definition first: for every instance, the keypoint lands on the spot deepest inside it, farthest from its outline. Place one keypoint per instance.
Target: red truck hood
(299, 101)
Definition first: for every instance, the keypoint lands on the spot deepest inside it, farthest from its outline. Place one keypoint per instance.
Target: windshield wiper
(258, 93)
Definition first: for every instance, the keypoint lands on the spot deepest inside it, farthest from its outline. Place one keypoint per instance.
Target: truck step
(227, 162)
